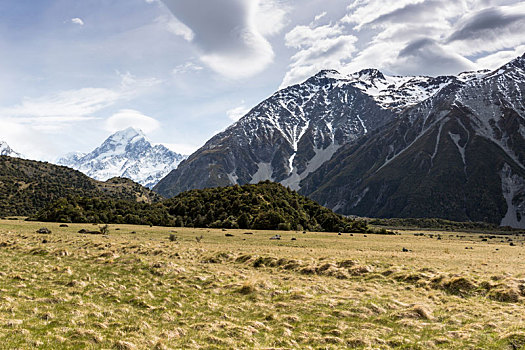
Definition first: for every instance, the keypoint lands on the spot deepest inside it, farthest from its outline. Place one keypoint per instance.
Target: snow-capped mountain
(459, 154)
(5, 150)
(284, 138)
(292, 133)
(128, 154)
(378, 145)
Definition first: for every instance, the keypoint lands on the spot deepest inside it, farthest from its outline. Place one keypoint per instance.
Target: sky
(74, 71)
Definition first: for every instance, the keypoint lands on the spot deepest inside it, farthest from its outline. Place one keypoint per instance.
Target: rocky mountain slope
(292, 133)
(378, 145)
(458, 155)
(5, 150)
(127, 154)
(27, 186)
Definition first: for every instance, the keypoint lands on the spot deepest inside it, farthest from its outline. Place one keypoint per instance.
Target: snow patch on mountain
(398, 92)
(456, 138)
(128, 154)
(513, 187)
(321, 156)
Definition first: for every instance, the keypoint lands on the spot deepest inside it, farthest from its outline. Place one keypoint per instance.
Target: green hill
(27, 186)
(263, 206)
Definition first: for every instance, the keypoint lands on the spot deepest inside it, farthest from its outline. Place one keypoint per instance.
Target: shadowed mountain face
(375, 145)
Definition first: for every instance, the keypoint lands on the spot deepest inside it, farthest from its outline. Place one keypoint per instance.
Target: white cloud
(489, 30)
(364, 12)
(58, 113)
(181, 148)
(64, 105)
(75, 105)
(271, 17)
(187, 67)
(230, 34)
(321, 47)
(426, 56)
(130, 85)
(499, 58)
(320, 16)
(237, 112)
(128, 117)
(78, 21)
(26, 140)
(173, 25)
(416, 37)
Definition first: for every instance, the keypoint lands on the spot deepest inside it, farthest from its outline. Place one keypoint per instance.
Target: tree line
(264, 206)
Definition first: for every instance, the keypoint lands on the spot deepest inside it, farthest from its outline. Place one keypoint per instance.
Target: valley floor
(137, 289)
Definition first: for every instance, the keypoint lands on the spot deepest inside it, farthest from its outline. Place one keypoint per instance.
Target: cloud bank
(410, 37)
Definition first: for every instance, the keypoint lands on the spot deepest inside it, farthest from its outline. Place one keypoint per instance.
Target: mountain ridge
(469, 126)
(335, 105)
(27, 186)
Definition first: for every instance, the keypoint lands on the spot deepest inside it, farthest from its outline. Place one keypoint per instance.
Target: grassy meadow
(136, 288)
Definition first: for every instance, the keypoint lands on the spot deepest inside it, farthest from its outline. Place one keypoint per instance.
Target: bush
(284, 226)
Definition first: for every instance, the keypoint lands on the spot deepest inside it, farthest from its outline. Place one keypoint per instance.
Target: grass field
(137, 289)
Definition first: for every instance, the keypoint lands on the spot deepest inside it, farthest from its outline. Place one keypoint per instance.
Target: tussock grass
(138, 289)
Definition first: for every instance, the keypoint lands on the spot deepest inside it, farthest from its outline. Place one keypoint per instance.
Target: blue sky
(74, 71)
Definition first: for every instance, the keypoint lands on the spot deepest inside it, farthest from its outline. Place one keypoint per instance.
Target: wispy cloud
(186, 68)
(319, 47)
(129, 117)
(238, 112)
(74, 105)
(56, 113)
(78, 21)
(489, 30)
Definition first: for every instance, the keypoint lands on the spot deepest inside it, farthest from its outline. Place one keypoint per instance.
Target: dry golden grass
(139, 288)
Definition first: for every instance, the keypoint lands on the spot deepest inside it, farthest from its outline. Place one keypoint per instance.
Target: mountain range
(375, 145)
(129, 154)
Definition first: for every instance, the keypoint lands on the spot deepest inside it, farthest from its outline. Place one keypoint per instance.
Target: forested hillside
(27, 186)
(266, 205)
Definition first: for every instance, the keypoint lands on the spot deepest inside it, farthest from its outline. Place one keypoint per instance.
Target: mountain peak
(370, 73)
(328, 73)
(127, 135)
(516, 65)
(127, 153)
(5, 150)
